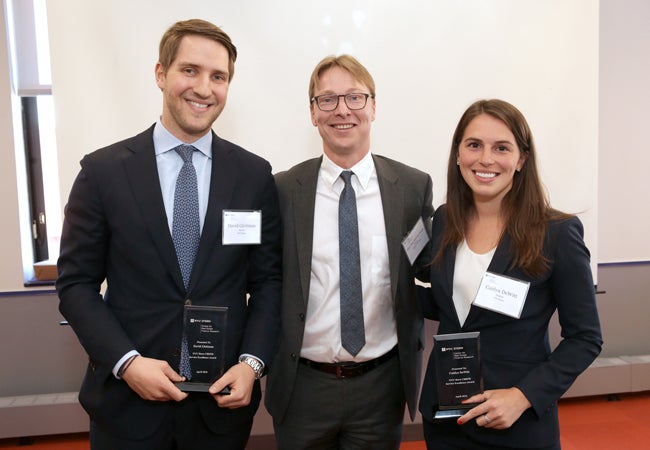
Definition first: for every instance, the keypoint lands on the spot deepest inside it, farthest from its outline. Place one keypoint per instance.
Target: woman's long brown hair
(525, 208)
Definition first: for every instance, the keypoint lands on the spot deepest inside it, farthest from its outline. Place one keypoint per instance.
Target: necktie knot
(185, 152)
(347, 176)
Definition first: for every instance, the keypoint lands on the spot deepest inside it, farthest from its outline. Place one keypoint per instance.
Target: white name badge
(415, 240)
(242, 227)
(502, 294)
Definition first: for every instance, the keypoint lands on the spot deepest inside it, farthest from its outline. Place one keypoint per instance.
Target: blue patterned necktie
(186, 230)
(186, 225)
(352, 329)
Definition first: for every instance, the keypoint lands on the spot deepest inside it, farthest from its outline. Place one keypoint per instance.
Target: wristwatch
(254, 363)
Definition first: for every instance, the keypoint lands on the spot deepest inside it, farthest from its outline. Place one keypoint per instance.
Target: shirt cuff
(122, 360)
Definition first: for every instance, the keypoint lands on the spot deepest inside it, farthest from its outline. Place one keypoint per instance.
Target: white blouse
(468, 271)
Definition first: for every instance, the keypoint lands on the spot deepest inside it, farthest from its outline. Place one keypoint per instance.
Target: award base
(452, 413)
(445, 414)
(188, 386)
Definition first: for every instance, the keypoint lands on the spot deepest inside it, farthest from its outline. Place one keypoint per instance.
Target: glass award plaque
(204, 333)
(458, 368)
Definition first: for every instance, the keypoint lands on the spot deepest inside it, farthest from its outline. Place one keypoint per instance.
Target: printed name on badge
(242, 227)
(502, 294)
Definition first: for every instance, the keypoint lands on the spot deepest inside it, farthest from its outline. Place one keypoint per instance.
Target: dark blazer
(406, 196)
(516, 352)
(115, 229)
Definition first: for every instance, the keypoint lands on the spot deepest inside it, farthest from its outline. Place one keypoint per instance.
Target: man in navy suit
(118, 229)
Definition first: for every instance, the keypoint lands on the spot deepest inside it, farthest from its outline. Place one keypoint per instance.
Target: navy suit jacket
(115, 229)
(516, 352)
(406, 195)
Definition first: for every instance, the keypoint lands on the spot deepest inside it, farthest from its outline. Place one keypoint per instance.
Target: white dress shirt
(322, 336)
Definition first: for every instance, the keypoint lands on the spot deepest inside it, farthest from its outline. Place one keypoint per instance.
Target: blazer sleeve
(264, 278)
(82, 270)
(425, 294)
(574, 294)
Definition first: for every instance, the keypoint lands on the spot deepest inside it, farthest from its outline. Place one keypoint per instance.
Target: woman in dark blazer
(497, 219)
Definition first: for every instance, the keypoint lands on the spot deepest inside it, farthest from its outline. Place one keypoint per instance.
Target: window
(31, 81)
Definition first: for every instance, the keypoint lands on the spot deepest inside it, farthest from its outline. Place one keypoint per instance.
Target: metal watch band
(254, 364)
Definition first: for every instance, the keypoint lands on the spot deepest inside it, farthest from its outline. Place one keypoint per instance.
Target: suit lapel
(393, 205)
(142, 175)
(450, 264)
(222, 184)
(502, 256)
(303, 202)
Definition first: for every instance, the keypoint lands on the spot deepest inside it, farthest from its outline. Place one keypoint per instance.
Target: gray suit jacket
(406, 195)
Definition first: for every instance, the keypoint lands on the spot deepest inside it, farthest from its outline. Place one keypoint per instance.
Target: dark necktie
(186, 230)
(352, 329)
(186, 227)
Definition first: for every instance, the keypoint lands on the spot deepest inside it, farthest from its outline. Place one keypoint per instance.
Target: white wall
(624, 215)
(430, 60)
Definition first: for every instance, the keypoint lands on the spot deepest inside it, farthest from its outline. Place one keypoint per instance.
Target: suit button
(293, 356)
(302, 317)
(188, 302)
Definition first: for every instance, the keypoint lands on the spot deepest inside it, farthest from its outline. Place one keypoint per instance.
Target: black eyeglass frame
(345, 99)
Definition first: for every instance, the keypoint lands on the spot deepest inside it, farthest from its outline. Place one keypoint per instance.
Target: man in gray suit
(324, 393)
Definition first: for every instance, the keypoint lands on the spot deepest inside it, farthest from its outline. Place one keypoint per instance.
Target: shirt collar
(164, 141)
(363, 170)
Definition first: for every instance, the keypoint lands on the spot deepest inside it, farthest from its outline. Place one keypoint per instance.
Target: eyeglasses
(329, 102)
